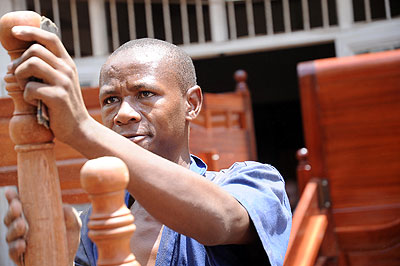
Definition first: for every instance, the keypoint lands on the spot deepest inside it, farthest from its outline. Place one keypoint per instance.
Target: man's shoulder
(260, 189)
(246, 169)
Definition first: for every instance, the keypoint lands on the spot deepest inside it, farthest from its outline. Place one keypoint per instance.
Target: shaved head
(174, 60)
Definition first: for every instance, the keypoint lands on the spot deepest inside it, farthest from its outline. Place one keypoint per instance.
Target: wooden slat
(185, 22)
(367, 10)
(268, 17)
(149, 18)
(250, 18)
(325, 13)
(200, 21)
(306, 14)
(131, 19)
(232, 20)
(56, 15)
(387, 9)
(75, 29)
(286, 16)
(36, 5)
(114, 24)
(167, 21)
(308, 229)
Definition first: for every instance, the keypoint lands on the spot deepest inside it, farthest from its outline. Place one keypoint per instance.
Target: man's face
(141, 100)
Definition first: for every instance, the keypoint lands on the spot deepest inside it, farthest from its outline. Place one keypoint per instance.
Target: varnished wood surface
(38, 182)
(308, 229)
(111, 224)
(228, 138)
(351, 118)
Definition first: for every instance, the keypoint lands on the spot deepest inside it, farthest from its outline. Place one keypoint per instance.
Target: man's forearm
(174, 195)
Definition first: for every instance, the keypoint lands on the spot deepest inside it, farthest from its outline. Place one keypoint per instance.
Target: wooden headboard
(223, 134)
(351, 119)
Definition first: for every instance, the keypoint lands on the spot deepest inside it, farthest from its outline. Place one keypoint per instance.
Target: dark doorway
(272, 79)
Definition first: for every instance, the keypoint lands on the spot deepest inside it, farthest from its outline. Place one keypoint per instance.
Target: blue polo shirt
(259, 188)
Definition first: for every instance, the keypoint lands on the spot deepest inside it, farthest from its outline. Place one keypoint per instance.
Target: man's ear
(194, 100)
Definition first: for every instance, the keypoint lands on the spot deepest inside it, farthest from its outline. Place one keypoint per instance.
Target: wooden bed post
(38, 182)
(111, 222)
(240, 76)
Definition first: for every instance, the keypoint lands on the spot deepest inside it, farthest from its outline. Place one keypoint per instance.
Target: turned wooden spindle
(240, 76)
(111, 222)
(303, 169)
(38, 182)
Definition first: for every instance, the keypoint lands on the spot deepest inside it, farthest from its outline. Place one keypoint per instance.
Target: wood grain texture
(308, 229)
(111, 222)
(351, 118)
(229, 137)
(38, 183)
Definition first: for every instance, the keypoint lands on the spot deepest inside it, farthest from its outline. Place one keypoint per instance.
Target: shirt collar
(197, 165)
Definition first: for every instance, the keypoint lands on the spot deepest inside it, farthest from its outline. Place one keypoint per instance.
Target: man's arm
(177, 197)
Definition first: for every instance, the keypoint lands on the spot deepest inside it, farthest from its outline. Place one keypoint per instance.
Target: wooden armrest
(308, 229)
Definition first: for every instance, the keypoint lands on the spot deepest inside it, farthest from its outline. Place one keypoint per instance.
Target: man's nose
(126, 114)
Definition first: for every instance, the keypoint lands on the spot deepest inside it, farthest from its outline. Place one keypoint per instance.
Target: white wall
(372, 37)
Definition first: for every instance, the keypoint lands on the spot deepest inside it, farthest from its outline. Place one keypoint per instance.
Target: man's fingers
(14, 211)
(45, 38)
(36, 67)
(73, 226)
(11, 194)
(39, 91)
(17, 227)
(39, 51)
(16, 230)
(72, 220)
(16, 249)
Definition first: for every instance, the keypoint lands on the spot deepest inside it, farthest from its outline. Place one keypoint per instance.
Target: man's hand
(58, 87)
(18, 228)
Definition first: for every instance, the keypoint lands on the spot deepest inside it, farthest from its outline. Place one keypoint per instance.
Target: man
(148, 95)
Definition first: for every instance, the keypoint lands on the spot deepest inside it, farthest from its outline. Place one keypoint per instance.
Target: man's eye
(145, 94)
(110, 100)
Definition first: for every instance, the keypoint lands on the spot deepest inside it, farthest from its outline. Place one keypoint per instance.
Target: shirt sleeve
(85, 253)
(261, 190)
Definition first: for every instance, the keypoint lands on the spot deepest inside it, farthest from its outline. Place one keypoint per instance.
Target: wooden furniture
(37, 171)
(111, 222)
(223, 134)
(351, 118)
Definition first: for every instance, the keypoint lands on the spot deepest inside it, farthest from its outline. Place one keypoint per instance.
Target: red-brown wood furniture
(223, 134)
(349, 212)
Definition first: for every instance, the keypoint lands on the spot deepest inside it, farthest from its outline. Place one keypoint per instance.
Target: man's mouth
(136, 138)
